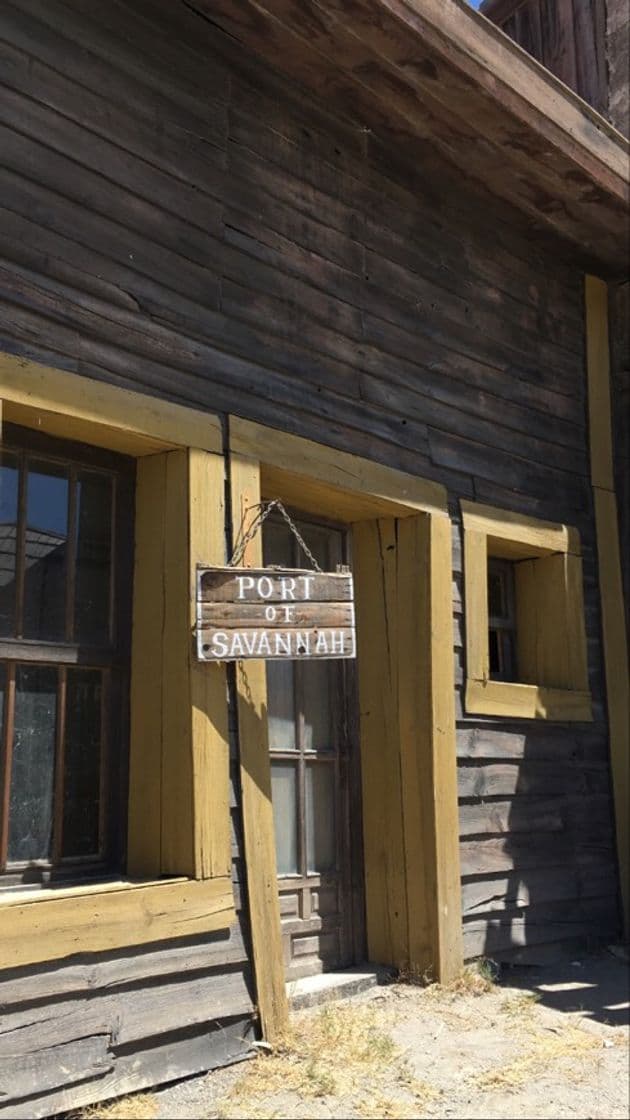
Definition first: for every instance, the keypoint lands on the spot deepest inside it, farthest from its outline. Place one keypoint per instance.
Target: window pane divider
(55, 653)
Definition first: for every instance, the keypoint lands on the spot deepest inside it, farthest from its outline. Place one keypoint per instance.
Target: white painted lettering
(219, 643)
(264, 649)
(321, 645)
(283, 643)
(271, 612)
(287, 587)
(244, 583)
(337, 641)
(250, 642)
(265, 587)
(288, 613)
(237, 646)
(306, 580)
(303, 644)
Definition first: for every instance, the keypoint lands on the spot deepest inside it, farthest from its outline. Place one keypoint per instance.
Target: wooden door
(315, 784)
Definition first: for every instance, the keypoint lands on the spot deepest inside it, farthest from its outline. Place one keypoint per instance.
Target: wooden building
(356, 256)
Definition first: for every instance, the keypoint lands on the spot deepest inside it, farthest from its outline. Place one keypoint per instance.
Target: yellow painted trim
(179, 814)
(541, 536)
(255, 768)
(179, 755)
(551, 636)
(59, 924)
(615, 639)
(527, 701)
(442, 864)
(74, 407)
(385, 491)
(404, 606)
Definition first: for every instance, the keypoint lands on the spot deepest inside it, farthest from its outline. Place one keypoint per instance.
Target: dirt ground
(545, 1043)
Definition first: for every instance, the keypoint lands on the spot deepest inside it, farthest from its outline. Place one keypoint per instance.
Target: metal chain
(263, 511)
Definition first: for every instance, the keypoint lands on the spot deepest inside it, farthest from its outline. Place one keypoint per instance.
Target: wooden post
(258, 826)
(609, 562)
(406, 686)
(179, 809)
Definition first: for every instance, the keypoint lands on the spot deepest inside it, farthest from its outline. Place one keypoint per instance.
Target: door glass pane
(33, 764)
(324, 543)
(46, 549)
(320, 817)
(280, 674)
(94, 538)
(318, 681)
(280, 709)
(82, 763)
(284, 797)
(277, 544)
(8, 540)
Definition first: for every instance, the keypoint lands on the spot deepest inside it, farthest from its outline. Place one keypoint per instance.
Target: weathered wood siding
(98, 1026)
(618, 59)
(174, 220)
(583, 42)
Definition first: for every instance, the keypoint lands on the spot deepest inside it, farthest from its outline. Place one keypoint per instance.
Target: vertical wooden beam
(447, 924)
(609, 559)
(258, 826)
(374, 550)
(476, 586)
(414, 705)
(212, 841)
(403, 578)
(177, 808)
(179, 816)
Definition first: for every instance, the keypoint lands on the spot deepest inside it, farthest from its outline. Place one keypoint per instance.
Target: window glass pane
(495, 652)
(284, 797)
(82, 763)
(94, 537)
(318, 680)
(320, 817)
(497, 607)
(8, 540)
(280, 709)
(33, 763)
(277, 544)
(46, 549)
(324, 543)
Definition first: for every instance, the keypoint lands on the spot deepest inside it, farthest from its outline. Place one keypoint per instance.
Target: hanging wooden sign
(274, 614)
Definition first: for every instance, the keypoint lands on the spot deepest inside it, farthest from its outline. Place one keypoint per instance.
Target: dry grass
(138, 1106)
(338, 1052)
(544, 1048)
(474, 980)
(520, 1006)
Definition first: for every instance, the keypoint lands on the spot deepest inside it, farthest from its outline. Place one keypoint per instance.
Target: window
(501, 621)
(65, 556)
(525, 637)
(174, 790)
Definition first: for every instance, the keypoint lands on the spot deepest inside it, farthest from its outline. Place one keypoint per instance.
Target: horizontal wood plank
(50, 928)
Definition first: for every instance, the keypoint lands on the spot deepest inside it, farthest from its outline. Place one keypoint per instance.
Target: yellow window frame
(179, 851)
(550, 631)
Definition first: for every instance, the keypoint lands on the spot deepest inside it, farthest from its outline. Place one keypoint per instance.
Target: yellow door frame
(403, 578)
